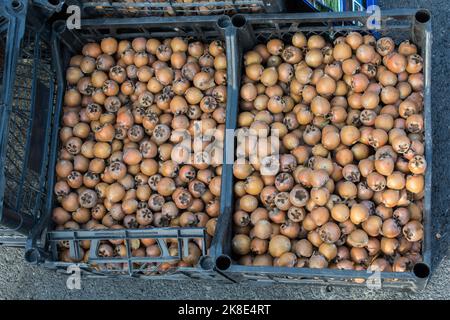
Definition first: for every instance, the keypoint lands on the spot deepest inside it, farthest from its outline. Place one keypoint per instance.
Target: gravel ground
(21, 281)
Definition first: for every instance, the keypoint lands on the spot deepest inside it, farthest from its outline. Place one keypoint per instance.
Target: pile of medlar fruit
(133, 112)
(335, 178)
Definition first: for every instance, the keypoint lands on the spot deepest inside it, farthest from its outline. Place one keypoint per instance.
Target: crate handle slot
(421, 270)
(206, 263)
(223, 262)
(223, 22)
(245, 31)
(422, 16)
(239, 20)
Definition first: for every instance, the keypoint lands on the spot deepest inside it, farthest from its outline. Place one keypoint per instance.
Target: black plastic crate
(139, 8)
(24, 86)
(42, 246)
(252, 29)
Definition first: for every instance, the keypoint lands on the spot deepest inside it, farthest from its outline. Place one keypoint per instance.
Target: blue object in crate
(359, 5)
(339, 5)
